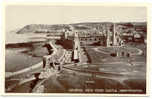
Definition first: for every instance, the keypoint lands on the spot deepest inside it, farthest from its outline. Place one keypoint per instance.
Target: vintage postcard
(76, 49)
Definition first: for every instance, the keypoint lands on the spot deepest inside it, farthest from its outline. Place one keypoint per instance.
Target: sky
(17, 16)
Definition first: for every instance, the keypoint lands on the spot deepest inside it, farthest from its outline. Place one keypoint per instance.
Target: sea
(15, 59)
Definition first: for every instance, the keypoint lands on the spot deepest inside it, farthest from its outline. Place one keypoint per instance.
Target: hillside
(99, 26)
(41, 28)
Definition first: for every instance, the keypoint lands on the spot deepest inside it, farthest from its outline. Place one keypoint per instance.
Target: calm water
(12, 37)
(15, 60)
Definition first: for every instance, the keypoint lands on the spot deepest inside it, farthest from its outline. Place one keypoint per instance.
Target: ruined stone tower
(76, 48)
(116, 36)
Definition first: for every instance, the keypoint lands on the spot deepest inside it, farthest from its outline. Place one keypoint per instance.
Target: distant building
(89, 38)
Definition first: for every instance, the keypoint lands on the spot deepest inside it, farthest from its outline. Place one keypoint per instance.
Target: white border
(65, 3)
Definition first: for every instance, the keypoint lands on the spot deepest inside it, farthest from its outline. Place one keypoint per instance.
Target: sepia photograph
(75, 49)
